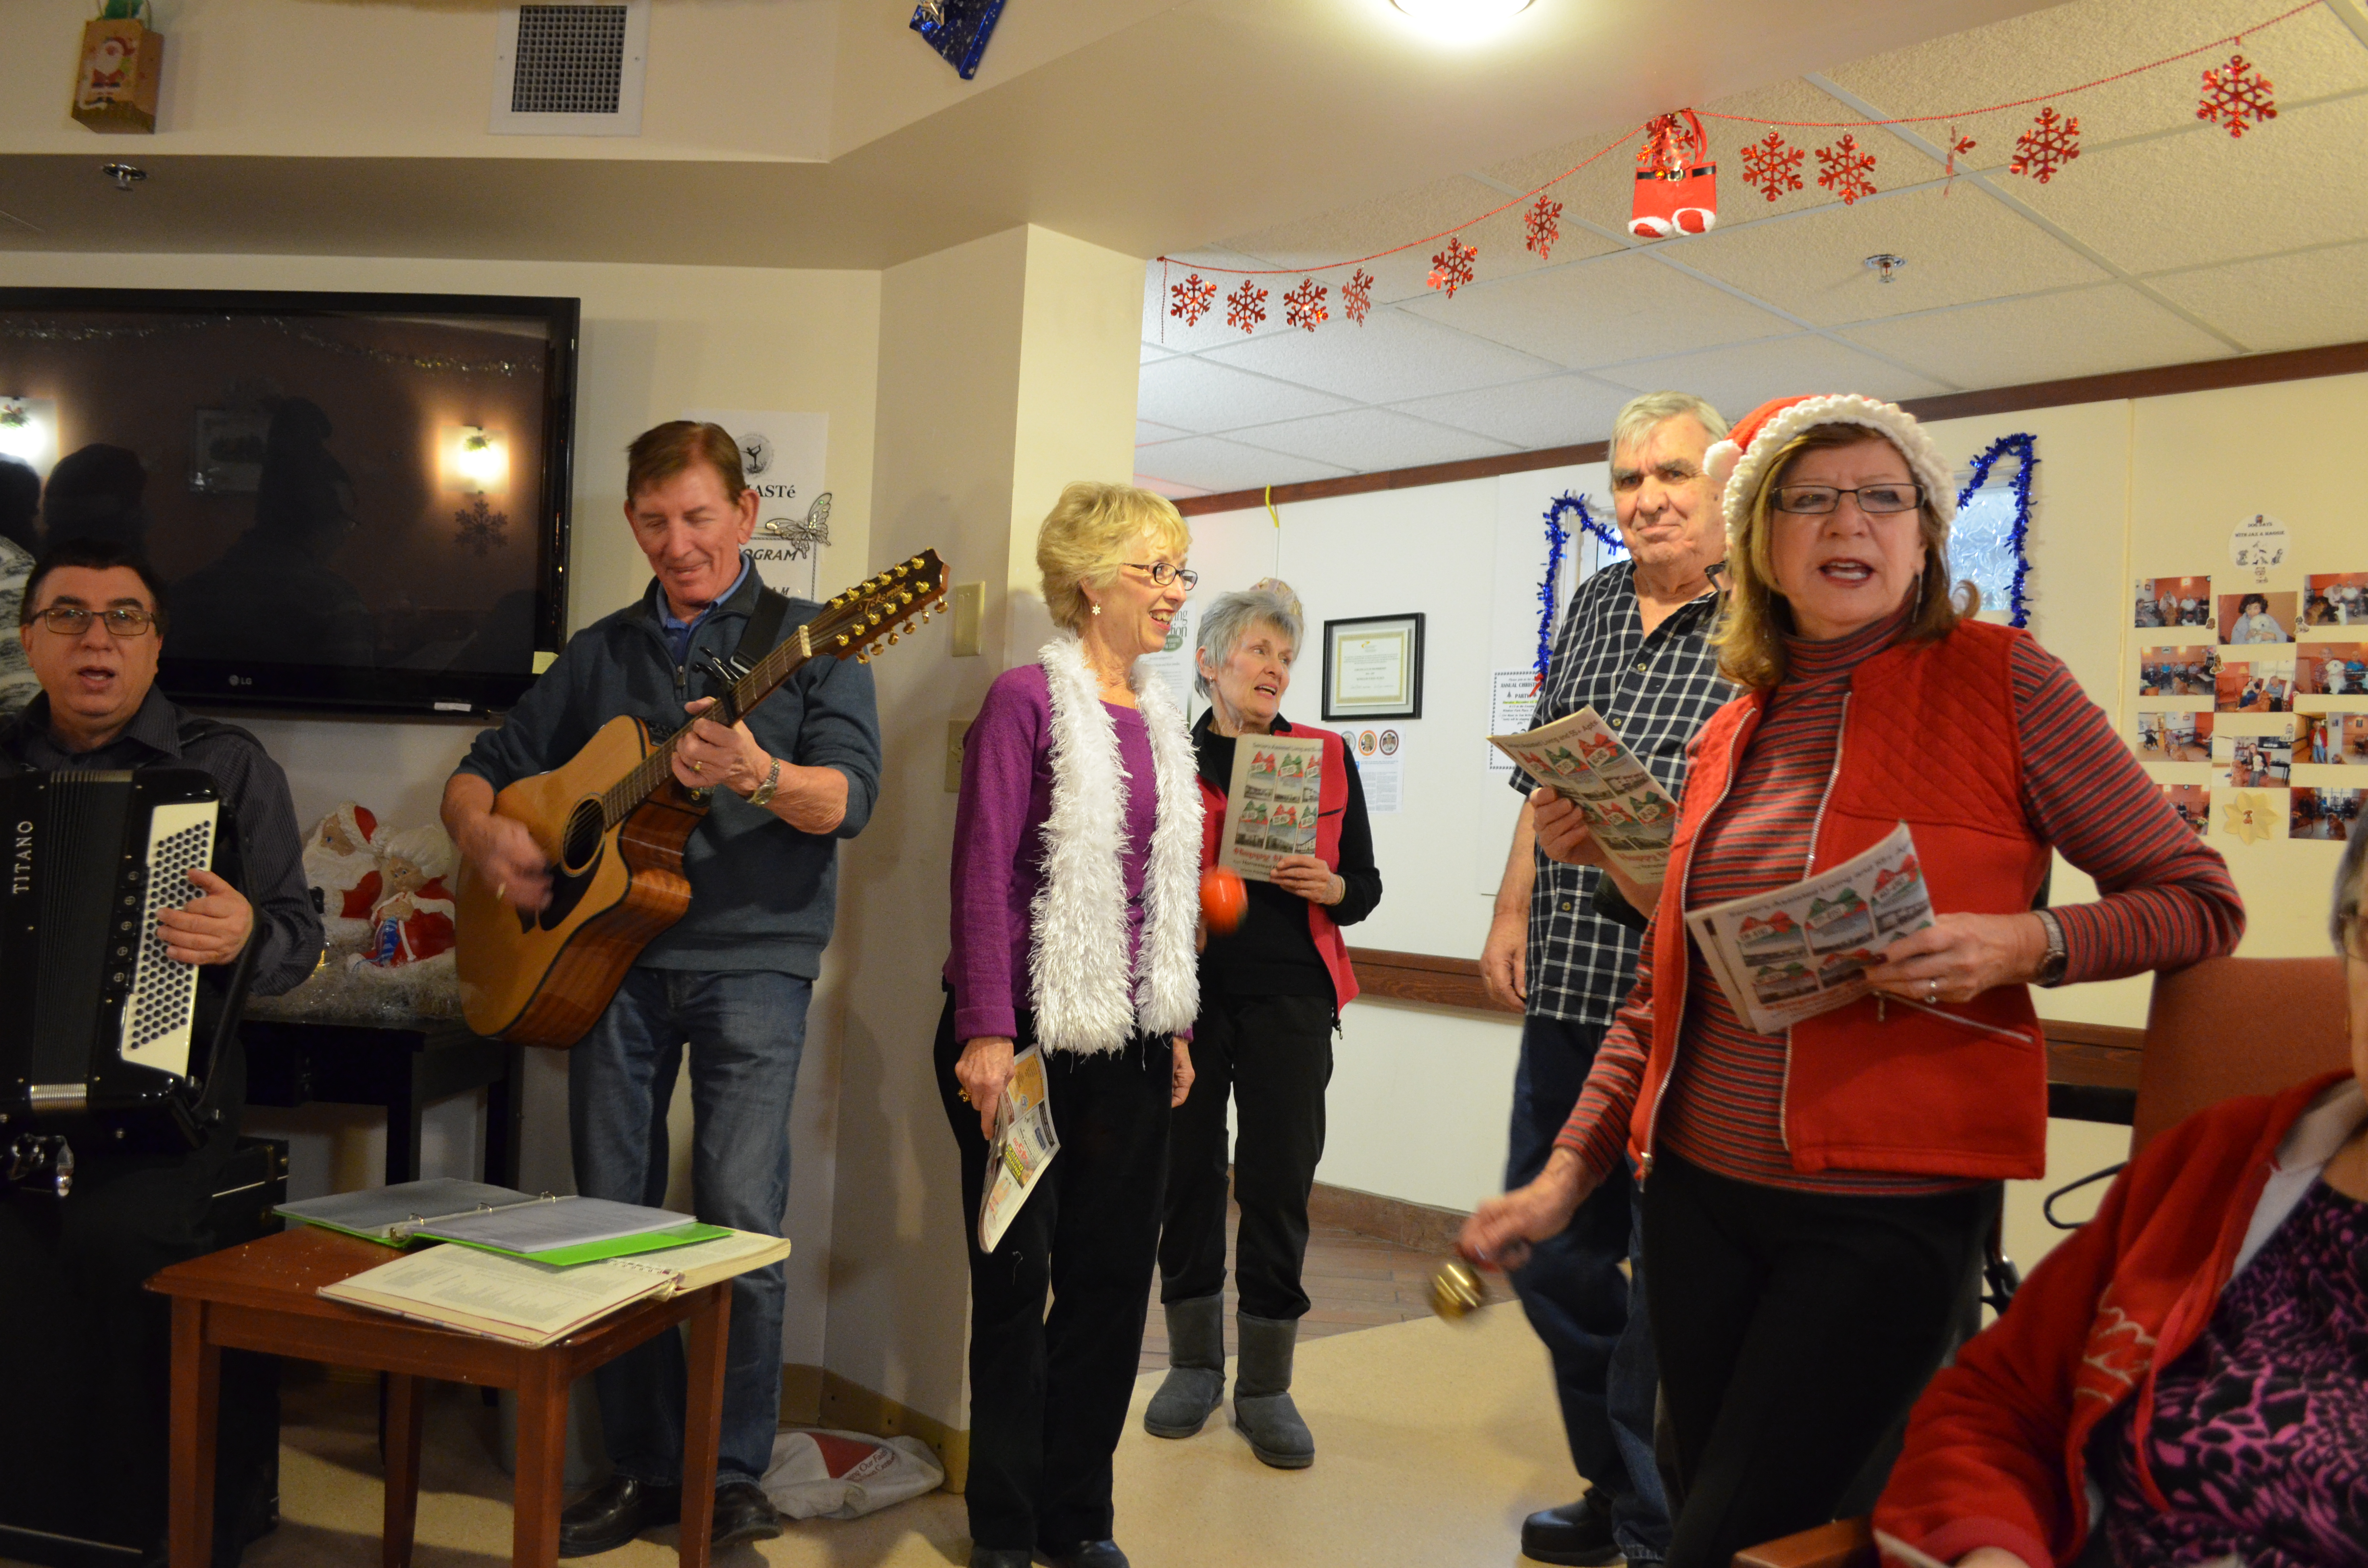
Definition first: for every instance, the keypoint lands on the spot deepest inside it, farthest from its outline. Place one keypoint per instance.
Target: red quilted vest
(1927, 738)
(1331, 807)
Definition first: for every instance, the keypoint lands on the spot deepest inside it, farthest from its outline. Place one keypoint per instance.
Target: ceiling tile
(1393, 355)
(1960, 246)
(1738, 380)
(1152, 351)
(2296, 300)
(2085, 332)
(1144, 430)
(1205, 462)
(1557, 411)
(1191, 393)
(1597, 312)
(1364, 440)
(2205, 196)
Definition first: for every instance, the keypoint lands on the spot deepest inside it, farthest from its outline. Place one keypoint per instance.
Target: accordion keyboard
(159, 1010)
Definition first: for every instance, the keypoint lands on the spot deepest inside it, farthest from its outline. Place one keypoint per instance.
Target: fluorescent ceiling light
(1460, 21)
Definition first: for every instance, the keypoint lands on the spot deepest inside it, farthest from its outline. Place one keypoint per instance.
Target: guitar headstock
(880, 610)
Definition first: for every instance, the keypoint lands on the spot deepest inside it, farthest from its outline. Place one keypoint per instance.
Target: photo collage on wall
(2252, 710)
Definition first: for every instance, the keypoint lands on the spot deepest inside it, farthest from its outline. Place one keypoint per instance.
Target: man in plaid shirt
(1633, 645)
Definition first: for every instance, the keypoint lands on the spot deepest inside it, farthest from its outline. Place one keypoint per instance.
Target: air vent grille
(571, 59)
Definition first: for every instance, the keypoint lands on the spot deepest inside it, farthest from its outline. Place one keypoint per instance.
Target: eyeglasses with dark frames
(1163, 573)
(1875, 500)
(72, 620)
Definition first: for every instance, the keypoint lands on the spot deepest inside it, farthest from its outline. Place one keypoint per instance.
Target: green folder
(595, 1251)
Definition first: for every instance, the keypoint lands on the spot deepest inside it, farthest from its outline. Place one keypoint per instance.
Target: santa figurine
(341, 867)
(412, 922)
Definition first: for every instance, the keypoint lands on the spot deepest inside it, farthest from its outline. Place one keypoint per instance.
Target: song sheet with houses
(1271, 805)
(1581, 758)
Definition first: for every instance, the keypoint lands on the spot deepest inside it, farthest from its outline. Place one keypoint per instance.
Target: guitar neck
(626, 796)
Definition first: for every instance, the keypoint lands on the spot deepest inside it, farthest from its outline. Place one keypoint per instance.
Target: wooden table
(262, 1296)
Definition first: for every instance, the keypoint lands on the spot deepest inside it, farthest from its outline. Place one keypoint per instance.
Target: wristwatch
(762, 795)
(2051, 967)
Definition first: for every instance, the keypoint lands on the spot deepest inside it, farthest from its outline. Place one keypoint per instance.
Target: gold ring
(699, 768)
(963, 1094)
(1932, 992)
(501, 890)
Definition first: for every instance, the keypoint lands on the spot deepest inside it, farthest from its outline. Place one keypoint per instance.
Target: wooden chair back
(2229, 1027)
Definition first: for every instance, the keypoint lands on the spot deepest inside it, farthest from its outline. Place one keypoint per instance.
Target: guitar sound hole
(583, 840)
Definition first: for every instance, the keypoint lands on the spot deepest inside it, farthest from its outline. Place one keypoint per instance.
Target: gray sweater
(762, 892)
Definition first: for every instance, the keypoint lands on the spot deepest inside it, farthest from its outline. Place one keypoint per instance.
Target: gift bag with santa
(1676, 184)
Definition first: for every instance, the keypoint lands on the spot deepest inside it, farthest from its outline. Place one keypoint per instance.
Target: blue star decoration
(958, 29)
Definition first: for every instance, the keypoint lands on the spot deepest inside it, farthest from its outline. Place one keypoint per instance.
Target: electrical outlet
(956, 731)
(970, 619)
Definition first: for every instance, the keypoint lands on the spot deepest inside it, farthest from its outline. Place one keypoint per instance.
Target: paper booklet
(1583, 760)
(1270, 804)
(1024, 1144)
(375, 1214)
(534, 1303)
(556, 1231)
(1800, 951)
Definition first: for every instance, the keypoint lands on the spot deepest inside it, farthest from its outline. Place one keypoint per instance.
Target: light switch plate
(969, 616)
(956, 729)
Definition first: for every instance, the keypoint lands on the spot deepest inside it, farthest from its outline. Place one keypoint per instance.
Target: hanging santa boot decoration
(1676, 184)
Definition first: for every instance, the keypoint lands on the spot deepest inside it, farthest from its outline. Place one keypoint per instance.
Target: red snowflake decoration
(1193, 298)
(1846, 166)
(1958, 147)
(1774, 165)
(1304, 306)
(2234, 91)
(1669, 145)
(1543, 227)
(1452, 269)
(1357, 296)
(1246, 306)
(2052, 141)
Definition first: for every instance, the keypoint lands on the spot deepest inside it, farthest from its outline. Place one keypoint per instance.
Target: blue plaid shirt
(1655, 691)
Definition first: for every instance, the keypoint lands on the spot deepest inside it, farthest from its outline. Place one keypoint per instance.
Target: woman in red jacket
(1814, 1202)
(2188, 1373)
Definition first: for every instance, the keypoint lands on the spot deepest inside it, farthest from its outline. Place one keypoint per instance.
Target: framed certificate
(1373, 667)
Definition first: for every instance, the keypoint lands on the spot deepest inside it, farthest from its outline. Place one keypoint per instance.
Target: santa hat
(1742, 460)
(358, 821)
(427, 846)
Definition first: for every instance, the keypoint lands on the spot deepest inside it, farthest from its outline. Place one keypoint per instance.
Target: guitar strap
(764, 628)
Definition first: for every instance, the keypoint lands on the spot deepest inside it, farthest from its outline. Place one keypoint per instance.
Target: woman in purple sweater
(1076, 906)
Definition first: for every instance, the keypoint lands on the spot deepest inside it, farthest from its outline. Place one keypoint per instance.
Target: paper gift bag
(1676, 184)
(114, 81)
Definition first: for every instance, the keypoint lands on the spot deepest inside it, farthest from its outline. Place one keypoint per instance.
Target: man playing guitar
(731, 979)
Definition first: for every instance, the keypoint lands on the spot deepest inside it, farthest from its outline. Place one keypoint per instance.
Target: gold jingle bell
(1455, 1291)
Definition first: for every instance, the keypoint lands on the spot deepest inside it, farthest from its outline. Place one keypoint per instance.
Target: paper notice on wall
(1173, 663)
(1383, 775)
(782, 459)
(2258, 544)
(1512, 701)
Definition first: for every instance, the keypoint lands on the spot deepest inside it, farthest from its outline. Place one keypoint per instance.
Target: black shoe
(742, 1512)
(613, 1513)
(1578, 1534)
(1089, 1554)
(1001, 1557)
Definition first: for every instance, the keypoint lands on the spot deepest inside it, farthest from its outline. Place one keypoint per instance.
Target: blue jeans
(1593, 1322)
(745, 1030)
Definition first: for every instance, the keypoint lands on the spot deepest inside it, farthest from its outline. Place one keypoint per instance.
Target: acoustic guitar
(612, 821)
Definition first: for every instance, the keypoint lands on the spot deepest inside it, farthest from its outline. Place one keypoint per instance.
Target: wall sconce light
(1460, 21)
(477, 458)
(28, 432)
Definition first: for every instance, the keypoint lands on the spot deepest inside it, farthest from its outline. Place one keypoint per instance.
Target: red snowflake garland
(1246, 306)
(1452, 269)
(1193, 298)
(2234, 91)
(1958, 147)
(1304, 306)
(1846, 166)
(1543, 227)
(2052, 141)
(1357, 296)
(1774, 165)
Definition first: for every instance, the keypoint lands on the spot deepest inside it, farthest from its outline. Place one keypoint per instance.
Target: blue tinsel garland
(2024, 448)
(1556, 537)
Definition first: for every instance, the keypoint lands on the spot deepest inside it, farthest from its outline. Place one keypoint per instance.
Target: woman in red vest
(1270, 997)
(1815, 1203)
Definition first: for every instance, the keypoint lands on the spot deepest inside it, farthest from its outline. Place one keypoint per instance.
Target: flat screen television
(358, 502)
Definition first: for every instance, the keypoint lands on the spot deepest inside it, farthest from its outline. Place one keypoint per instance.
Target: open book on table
(557, 1231)
(1580, 759)
(1023, 1145)
(536, 1303)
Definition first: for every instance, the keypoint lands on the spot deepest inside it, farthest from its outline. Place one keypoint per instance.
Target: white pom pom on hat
(1737, 462)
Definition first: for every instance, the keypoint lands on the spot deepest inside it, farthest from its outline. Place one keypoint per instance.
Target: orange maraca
(1224, 899)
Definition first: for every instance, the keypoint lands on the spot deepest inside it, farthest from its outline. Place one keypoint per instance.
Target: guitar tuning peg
(908, 624)
(904, 571)
(894, 639)
(941, 604)
(863, 656)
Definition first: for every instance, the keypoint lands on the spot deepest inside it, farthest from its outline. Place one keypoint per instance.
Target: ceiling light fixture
(1885, 263)
(125, 176)
(1460, 21)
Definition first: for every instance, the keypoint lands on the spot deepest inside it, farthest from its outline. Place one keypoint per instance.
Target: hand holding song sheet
(1579, 757)
(1024, 1144)
(1271, 804)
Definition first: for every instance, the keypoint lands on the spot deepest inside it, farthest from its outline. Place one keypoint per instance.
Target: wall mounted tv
(358, 501)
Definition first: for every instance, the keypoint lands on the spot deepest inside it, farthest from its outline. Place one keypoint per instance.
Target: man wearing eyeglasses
(80, 1341)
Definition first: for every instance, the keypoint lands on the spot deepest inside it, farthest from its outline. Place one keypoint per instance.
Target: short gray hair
(1235, 616)
(2351, 892)
(1645, 414)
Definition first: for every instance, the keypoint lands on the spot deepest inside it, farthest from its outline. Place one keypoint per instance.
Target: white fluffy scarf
(1080, 914)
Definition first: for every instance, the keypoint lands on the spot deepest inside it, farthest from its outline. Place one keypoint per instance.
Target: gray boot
(1195, 1384)
(1262, 1406)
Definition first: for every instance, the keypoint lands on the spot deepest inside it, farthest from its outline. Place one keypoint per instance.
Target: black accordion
(103, 1034)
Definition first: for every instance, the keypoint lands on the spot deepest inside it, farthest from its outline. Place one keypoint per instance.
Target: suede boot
(1262, 1406)
(1195, 1384)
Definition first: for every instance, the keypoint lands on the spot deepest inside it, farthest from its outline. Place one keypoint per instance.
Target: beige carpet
(1433, 1440)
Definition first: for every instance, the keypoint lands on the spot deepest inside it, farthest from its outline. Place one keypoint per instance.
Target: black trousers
(1795, 1330)
(1049, 1391)
(1273, 1056)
